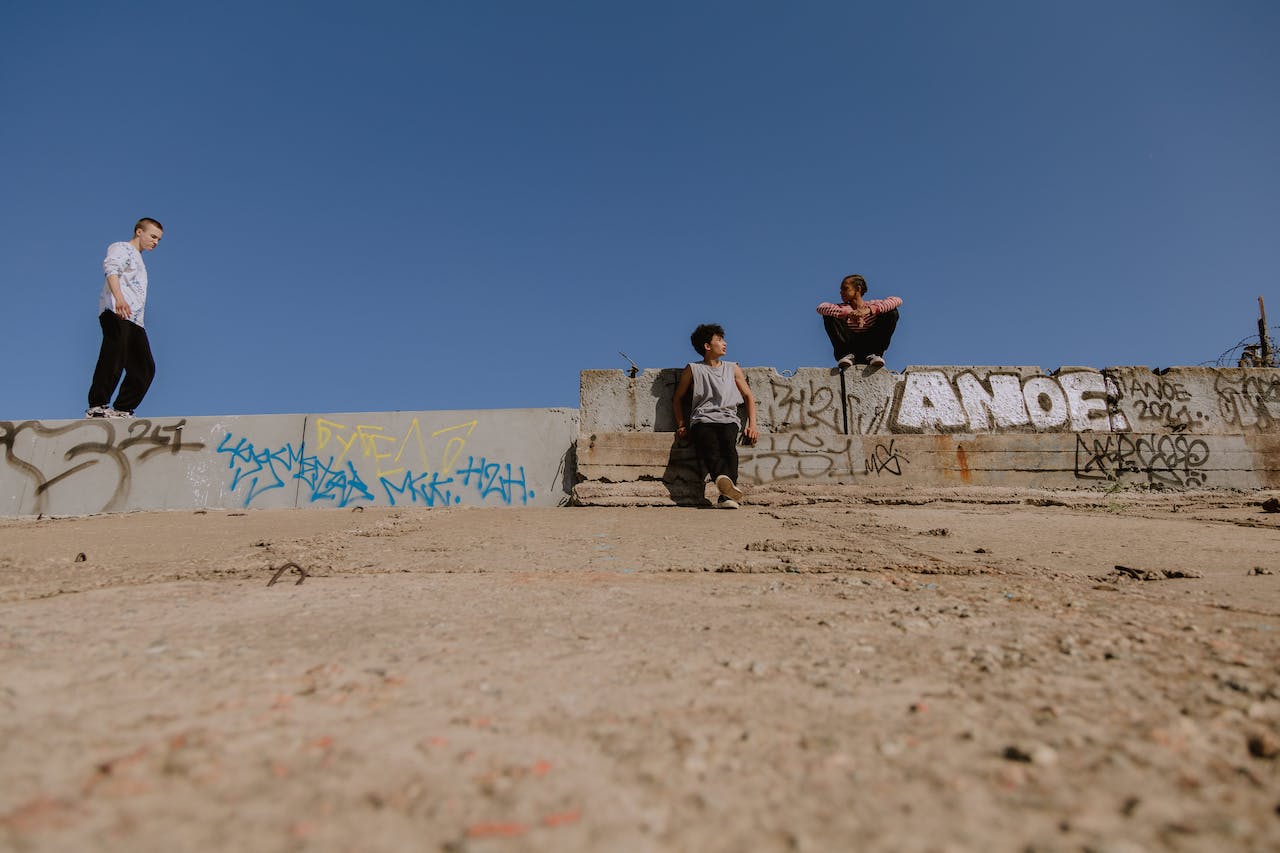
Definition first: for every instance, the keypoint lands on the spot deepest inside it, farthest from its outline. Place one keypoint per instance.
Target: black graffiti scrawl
(90, 444)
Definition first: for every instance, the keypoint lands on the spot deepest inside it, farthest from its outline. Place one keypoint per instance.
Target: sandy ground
(910, 671)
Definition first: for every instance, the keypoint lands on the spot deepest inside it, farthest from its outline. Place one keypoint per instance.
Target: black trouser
(125, 349)
(716, 446)
(873, 341)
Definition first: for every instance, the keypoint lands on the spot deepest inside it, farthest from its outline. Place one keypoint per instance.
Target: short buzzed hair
(145, 221)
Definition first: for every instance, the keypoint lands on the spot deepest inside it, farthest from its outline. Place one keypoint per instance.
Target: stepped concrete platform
(1077, 427)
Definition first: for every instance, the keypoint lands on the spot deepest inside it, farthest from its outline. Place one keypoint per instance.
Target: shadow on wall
(663, 390)
(568, 472)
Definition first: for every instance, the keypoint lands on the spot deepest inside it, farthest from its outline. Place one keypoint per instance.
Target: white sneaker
(845, 363)
(875, 361)
(116, 413)
(96, 412)
(727, 488)
(726, 503)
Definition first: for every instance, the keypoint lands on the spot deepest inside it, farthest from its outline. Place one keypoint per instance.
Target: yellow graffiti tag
(377, 444)
(456, 443)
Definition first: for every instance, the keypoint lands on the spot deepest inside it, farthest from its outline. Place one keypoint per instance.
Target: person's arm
(682, 388)
(883, 306)
(740, 379)
(833, 309)
(122, 305)
(113, 266)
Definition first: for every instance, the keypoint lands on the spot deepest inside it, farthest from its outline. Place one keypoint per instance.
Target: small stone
(81, 557)
(1044, 756)
(1271, 505)
(1260, 570)
(1264, 745)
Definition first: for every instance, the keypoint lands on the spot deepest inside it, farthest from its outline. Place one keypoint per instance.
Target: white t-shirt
(125, 261)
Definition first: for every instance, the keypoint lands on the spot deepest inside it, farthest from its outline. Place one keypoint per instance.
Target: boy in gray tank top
(718, 387)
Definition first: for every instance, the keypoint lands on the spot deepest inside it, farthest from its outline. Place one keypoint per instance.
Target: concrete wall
(950, 425)
(498, 457)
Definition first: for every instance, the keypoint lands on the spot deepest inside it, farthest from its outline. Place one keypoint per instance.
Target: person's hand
(123, 311)
(752, 434)
(682, 431)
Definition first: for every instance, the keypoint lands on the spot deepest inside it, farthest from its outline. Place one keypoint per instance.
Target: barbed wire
(1232, 356)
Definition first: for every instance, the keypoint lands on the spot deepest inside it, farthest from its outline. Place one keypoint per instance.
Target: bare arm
(682, 388)
(740, 379)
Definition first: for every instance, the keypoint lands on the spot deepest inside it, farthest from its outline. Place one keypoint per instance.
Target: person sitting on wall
(859, 329)
(718, 388)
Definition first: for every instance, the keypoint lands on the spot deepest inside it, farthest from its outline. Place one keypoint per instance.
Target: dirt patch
(942, 670)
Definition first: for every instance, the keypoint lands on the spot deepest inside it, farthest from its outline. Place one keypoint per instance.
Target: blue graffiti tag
(260, 470)
(489, 480)
(420, 488)
(262, 476)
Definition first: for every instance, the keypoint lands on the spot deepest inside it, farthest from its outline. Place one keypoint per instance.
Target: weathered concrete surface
(1077, 427)
(930, 425)
(497, 457)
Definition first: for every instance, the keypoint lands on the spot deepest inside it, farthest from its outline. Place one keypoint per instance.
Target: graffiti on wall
(1072, 401)
(1165, 459)
(796, 405)
(886, 459)
(782, 457)
(80, 453)
(409, 467)
(1250, 402)
(1157, 402)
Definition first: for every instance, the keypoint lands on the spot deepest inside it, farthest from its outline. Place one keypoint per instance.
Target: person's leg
(707, 447)
(110, 359)
(874, 341)
(839, 335)
(882, 332)
(727, 438)
(139, 370)
(726, 476)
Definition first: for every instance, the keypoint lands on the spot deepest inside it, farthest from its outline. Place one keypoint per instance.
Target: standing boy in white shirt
(121, 306)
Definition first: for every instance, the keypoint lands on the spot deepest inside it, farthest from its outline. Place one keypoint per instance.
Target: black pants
(125, 349)
(873, 341)
(716, 446)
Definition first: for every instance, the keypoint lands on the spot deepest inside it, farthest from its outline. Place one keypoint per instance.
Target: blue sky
(422, 205)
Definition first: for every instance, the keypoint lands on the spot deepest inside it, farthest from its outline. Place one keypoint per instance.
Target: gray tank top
(715, 395)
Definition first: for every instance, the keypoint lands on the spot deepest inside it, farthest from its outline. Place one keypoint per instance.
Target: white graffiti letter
(1086, 400)
(929, 401)
(1004, 401)
(1046, 404)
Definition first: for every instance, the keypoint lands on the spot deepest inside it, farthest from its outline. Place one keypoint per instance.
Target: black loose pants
(125, 349)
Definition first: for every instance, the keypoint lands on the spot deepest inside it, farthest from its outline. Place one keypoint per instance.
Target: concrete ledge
(946, 399)
(495, 457)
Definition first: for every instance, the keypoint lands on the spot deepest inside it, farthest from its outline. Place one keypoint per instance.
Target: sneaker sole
(726, 487)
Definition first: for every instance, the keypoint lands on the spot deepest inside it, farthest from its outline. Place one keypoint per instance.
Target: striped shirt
(856, 323)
